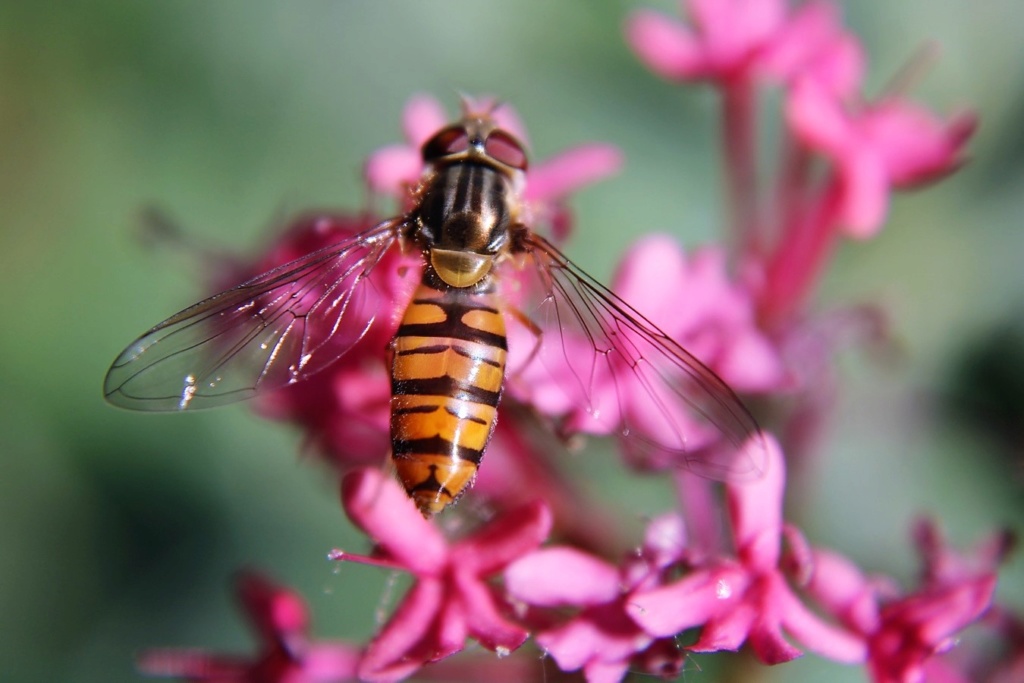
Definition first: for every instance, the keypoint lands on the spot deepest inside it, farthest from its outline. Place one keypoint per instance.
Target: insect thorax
(463, 218)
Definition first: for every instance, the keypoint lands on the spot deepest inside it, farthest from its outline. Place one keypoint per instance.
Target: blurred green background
(118, 531)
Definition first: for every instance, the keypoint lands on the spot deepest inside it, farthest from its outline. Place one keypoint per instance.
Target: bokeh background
(119, 531)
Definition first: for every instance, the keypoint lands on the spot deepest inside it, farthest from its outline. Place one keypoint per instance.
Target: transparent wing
(626, 376)
(275, 329)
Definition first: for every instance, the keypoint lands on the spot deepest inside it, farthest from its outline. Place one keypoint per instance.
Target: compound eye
(448, 141)
(506, 149)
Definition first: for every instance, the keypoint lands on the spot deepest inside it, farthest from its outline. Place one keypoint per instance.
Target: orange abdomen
(446, 380)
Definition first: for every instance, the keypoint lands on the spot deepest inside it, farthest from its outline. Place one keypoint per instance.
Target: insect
(449, 354)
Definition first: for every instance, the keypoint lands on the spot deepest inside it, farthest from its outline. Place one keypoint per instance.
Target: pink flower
(946, 565)
(281, 622)
(890, 144)
(873, 150)
(813, 44)
(746, 599)
(713, 319)
(735, 40)
(601, 639)
(726, 36)
(602, 395)
(904, 633)
(451, 599)
(915, 628)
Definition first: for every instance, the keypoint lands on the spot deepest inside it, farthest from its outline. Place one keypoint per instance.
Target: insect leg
(533, 329)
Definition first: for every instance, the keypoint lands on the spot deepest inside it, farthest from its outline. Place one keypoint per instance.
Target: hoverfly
(449, 354)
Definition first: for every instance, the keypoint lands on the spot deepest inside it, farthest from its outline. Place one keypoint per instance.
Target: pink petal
(571, 645)
(379, 506)
(755, 509)
(277, 613)
(665, 539)
(484, 621)
(841, 588)
(769, 645)
(450, 631)
(330, 662)
(557, 177)
(665, 46)
(916, 628)
(686, 603)
(954, 609)
(840, 67)
(390, 672)
(386, 655)
(913, 142)
(422, 117)
(945, 565)
(510, 536)
(727, 631)
(751, 363)
(798, 562)
(651, 274)
(801, 38)
(599, 635)
(813, 44)
(605, 672)
(817, 118)
(865, 193)
(733, 29)
(562, 576)
(813, 633)
(713, 295)
(392, 169)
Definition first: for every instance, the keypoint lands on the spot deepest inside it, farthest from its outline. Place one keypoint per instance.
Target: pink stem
(704, 527)
(740, 149)
(799, 257)
(794, 186)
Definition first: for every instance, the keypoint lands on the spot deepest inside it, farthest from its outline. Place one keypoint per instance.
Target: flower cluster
(592, 599)
(868, 148)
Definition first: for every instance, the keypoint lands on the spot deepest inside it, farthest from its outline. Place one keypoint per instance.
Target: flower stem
(799, 256)
(793, 189)
(740, 150)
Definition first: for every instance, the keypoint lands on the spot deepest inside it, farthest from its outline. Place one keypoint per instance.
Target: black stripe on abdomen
(446, 387)
(435, 445)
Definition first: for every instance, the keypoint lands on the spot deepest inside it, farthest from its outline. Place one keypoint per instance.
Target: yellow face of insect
(460, 268)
